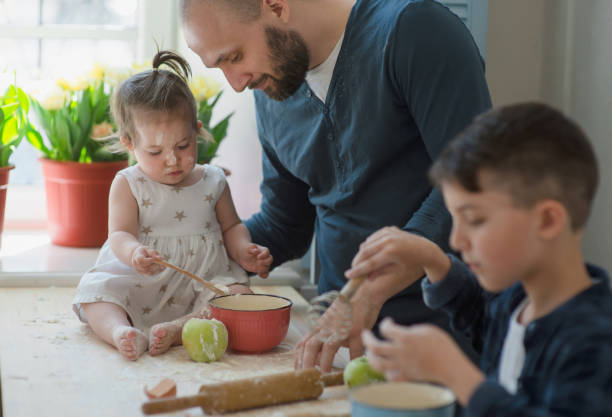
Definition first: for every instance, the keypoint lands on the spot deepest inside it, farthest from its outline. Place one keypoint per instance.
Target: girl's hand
(143, 261)
(256, 258)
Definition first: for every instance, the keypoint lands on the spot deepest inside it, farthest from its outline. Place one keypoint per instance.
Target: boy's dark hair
(532, 150)
(155, 89)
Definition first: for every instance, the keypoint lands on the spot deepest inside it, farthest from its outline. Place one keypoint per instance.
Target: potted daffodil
(78, 169)
(13, 127)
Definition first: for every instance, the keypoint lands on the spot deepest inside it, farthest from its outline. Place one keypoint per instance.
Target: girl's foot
(130, 342)
(163, 336)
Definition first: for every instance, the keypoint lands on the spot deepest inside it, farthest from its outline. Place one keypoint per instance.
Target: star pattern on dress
(203, 238)
(191, 252)
(177, 189)
(146, 202)
(127, 301)
(180, 215)
(170, 302)
(139, 285)
(208, 225)
(163, 288)
(141, 180)
(229, 268)
(208, 198)
(166, 257)
(146, 230)
(146, 310)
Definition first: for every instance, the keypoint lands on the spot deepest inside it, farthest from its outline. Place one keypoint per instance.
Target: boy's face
(497, 240)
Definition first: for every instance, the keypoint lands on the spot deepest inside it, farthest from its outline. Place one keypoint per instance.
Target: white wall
(559, 52)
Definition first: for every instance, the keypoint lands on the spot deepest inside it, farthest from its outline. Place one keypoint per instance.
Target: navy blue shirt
(408, 78)
(568, 353)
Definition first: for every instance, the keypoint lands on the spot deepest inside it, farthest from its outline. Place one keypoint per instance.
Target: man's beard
(290, 59)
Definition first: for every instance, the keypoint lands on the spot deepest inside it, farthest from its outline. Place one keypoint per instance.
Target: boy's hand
(393, 253)
(143, 261)
(256, 258)
(422, 353)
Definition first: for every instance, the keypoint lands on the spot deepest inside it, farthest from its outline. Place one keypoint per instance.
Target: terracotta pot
(4, 178)
(77, 200)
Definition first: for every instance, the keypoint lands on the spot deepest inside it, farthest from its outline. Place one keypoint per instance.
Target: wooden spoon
(207, 284)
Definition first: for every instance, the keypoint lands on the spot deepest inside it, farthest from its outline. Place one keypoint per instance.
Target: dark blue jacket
(568, 353)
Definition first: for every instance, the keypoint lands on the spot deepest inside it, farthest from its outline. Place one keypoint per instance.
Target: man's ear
(553, 218)
(279, 8)
(127, 143)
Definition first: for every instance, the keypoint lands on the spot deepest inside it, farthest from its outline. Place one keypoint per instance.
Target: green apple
(359, 372)
(205, 340)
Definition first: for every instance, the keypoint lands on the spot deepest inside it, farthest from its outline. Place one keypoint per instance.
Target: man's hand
(143, 261)
(256, 258)
(422, 353)
(320, 346)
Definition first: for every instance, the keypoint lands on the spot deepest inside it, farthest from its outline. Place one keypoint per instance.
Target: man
(356, 99)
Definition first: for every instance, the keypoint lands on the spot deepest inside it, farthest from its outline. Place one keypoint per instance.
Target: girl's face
(165, 145)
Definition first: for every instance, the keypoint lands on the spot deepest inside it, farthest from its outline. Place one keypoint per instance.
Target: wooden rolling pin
(242, 394)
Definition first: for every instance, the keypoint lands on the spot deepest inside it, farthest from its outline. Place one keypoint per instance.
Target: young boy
(518, 182)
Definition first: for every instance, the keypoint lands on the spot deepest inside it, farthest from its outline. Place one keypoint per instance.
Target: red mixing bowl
(255, 322)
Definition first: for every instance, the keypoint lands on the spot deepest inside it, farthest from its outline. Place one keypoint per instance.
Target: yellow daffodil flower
(204, 87)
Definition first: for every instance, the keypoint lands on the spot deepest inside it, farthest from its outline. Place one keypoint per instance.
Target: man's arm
(285, 223)
(437, 68)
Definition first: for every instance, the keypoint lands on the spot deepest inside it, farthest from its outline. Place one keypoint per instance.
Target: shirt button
(308, 93)
(330, 136)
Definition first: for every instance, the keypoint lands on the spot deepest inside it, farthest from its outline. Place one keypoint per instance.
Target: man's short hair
(533, 151)
(247, 10)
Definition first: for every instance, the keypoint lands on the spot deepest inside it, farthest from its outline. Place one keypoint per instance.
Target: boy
(518, 182)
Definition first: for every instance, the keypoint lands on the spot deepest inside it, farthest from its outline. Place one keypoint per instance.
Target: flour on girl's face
(159, 139)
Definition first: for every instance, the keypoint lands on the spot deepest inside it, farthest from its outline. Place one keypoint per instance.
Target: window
(42, 40)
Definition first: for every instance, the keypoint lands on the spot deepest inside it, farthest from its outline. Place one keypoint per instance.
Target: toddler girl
(166, 207)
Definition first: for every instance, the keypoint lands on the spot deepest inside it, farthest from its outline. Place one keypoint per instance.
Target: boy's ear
(553, 218)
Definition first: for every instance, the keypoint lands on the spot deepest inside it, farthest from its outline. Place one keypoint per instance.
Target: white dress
(180, 223)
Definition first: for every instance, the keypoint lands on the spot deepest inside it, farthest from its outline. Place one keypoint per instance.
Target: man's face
(250, 54)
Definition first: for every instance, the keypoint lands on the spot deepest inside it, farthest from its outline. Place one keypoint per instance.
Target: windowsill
(29, 259)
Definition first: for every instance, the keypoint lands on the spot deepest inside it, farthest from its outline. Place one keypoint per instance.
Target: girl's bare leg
(110, 323)
(165, 335)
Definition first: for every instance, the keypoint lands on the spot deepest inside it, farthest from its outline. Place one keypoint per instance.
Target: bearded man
(354, 100)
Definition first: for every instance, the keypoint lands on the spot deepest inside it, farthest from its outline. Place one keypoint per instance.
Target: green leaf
(9, 130)
(62, 135)
(219, 131)
(23, 101)
(84, 112)
(36, 140)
